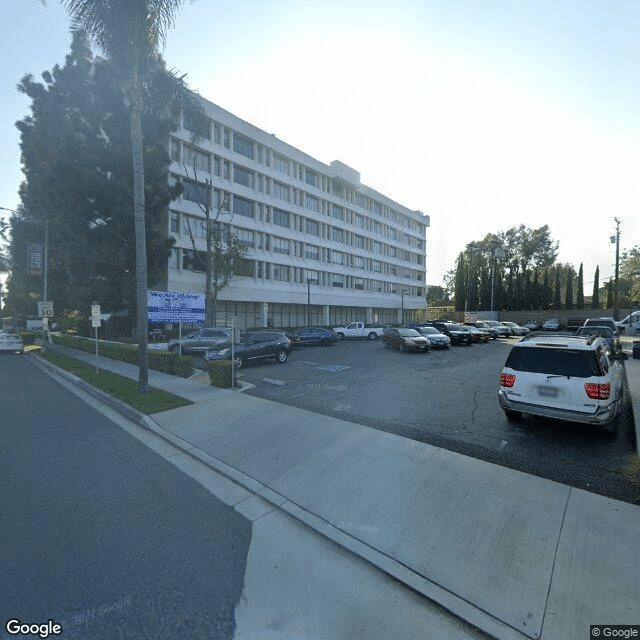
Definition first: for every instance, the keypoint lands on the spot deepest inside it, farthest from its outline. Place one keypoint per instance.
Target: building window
(175, 222)
(195, 192)
(337, 235)
(358, 241)
(175, 151)
(360, 221)
(243, 176)
(337, 280)
(358, 283)
(243, 207)
(338, 188)
(243, 267)
(280, 272)
(311, 202)
(192, 260)
(376, 266)
(243, 145)
(361, 201)
(280, 163)
(194, 158)
(358, 262)
(312, 227)
(281, 218)
(280, 191)
(312, 276)
(377, 247)
(245, 237)
(312, 252)
(311, 177)
(173, 258)
(337, 257)
(377, 208)
(280, 245)
(337, 212)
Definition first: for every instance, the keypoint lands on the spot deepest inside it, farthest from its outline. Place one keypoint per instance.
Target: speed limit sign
(45, 309)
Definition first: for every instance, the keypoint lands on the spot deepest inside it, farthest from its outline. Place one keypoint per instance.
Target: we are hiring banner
(169, 306)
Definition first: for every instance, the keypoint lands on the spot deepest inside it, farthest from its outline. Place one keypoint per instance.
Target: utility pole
(616, 239)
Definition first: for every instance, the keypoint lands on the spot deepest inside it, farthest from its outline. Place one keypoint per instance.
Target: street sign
(96, 323)
(45, 309)
(95, 312)
(167, 306)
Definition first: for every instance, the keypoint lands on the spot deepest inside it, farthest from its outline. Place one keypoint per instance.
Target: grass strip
(118, 386)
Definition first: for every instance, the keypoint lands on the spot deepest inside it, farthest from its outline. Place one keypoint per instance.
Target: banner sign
(35, 259)
(167, 306)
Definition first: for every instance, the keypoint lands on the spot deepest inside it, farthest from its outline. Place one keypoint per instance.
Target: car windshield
(408, 332)
(562, 362)
(429, 330)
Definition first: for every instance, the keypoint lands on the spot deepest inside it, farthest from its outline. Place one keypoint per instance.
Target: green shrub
(28, 337)
(220, 373)
(170, 363)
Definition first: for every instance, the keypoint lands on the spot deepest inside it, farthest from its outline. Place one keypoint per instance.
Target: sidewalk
(515, 555)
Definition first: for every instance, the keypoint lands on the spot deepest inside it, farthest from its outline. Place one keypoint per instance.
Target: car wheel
(340, 336)
(281, 356)
(373, 335)
(238, 362)
(513, 416)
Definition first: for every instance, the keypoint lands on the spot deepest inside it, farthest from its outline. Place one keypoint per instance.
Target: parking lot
(447, 398)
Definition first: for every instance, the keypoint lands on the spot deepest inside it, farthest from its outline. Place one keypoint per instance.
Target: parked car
(11, 343)
(574, 323)
(516, 329)
(478, 335)
(456, 332)
(502, 330)
(405, 340)
(360, 330)
(630, 325)
(573, 378)
(199, 341)
(533, 325)
(552, 324)
(602, 322)
(483, 326)
(609, 336)
(254, 345)
(438, 340)
(313, 335)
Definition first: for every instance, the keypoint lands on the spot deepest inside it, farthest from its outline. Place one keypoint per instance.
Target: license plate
(548, 392)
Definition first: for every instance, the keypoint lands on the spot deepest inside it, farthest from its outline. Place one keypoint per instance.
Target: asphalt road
(100, 534)
(447, 398)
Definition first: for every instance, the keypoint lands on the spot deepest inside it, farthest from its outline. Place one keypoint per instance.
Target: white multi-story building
(322, 248)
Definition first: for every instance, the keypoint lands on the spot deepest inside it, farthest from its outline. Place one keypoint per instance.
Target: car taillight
(598, 391)
(507, 379)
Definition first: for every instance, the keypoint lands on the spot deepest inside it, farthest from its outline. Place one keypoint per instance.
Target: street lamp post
(402, 303)
(308, 302)
(616, 239)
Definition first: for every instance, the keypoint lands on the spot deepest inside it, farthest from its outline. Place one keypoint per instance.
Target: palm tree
(130, 33)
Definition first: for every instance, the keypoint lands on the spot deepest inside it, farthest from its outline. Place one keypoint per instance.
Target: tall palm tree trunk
(140, 235)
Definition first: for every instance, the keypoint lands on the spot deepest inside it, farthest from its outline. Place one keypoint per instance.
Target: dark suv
(255, 345)
(457, 333)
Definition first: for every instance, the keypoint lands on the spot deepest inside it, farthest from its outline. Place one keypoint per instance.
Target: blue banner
(168, 306)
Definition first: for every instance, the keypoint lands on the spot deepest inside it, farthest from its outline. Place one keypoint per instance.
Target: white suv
(574, 378)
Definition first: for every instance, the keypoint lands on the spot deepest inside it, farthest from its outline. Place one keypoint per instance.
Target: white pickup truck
(359, 330)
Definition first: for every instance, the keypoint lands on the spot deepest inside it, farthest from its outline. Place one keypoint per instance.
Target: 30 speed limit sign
(45, 309)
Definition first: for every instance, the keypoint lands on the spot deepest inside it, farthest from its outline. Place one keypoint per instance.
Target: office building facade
(321, 248)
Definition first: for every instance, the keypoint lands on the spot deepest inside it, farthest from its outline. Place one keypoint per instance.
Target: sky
(483, 114)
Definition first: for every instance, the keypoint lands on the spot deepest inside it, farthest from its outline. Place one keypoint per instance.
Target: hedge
(220, 373)
(167, 362)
